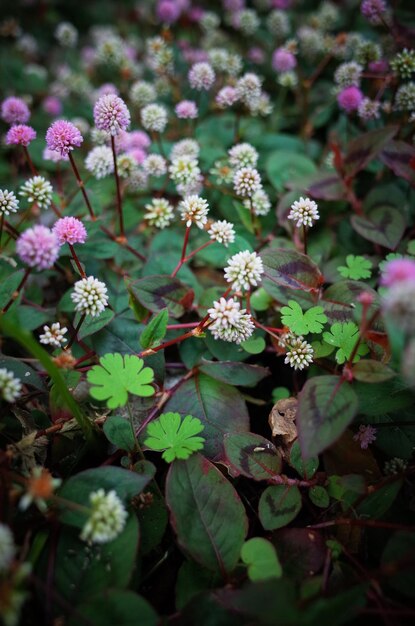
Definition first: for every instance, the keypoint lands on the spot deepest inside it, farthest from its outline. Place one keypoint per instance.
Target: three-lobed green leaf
(312, 321)
(356, 268)
(178, 438)
(344, 337)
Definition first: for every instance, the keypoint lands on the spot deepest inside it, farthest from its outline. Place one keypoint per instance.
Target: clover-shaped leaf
(300, 323)
(356, 267)
(344, 337)
(117, 376)
(176, 437)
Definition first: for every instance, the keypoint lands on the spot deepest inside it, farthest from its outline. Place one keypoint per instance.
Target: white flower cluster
(261, 203)
(100, 162)
(155, 165)
(201, 76)
(10, 386)
(304, 212)
(90, 296)
(154, 117)
(244, 270)
(159, 213)
(39, 190)
(53, 335)
(107, 518)
(230, 322)
(142, 93)
(185, 173)
(194, 210)
(222, 232)
(8, 202)
(243, 155)
(185, 148)
(299, 352)
(246, 181)
(126, 165)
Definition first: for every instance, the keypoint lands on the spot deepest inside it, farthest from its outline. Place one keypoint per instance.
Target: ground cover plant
(207, 295)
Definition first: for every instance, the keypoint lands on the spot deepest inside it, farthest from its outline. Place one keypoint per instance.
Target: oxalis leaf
(344, 337)
(326, 406)
(356, 267)
(177, 438)
(116, 376)
(311, 321)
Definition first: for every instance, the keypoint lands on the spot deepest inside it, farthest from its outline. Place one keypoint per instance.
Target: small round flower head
(194, 210)
(186, 110)
(39, 489)
(136, 139)
(367, 51)
(373, 10)
(405, 98)
(246, 21)
(20, 135)
(246, 181)
(278, 24)
(39, 190)
(138, 180)
(111, 114)
(142, 93)
(222, 232)
(248, 88)
(226, 97)
(348, 74)
(100, 161)
(184, 170)
(159, 213)
(107, 517)
(66, 34)
(395, 466)
(201, 76)
(399, 304)
(155, 165)
(90, 296)
(304, 212)
(261, 203)
(283, 60)
(15, 111)
(230, 322)
(8, 202)
(63, 137)
(299, 353)
(168, 11)
(52, 105)
(404, 63)
(38, 247)
(243, 155)
(126, 165)
(154, 117)
(7, 547)
(10, 386)
(69, 230)
(53, 335)
(244, 270)
(365, 436)
(185, 147)
(349, 99)
(397, 271)
(369, 110)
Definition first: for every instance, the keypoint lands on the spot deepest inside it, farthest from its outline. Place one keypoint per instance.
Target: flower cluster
(230, 322)
(107, 518)
(10, 386)
(89, 296)
(244, 270)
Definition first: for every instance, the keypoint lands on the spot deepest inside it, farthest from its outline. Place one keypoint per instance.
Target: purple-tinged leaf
(325, 186)
(206, 513)
(370, 371)
(399, 156)
(252, 456)
(289, 268)
(384, 225)
(365, 148)
(339, 300)
(161, 291)
(278, 506)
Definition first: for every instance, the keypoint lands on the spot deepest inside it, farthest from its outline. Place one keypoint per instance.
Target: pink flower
(256, 55)
(38, 247)
(233, 5)
(378, 67)
(283, 60)
(201, 76)
(168, 11)
(226, 97)
(52, 105)
(138, 155)
(69, 230)
(350, 98)
(63, 137)
(129, 141)
(398, 271)
(20, 135)
(111, 114)
(372, 10)
(106, 89)
(14, 110)
(52, 155)
(186, 110)
(365, 436)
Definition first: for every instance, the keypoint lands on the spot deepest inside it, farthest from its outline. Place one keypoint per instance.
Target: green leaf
(206, 513)
(160, 291)
(115, 606)
(118, 375)
(261, 558)
(370, 371)
(356, 267)
(254, 345)
(326, 407)
(300, 323)
(177, 438)
(118, 431)
(252, 455)
(92, 325)
(278, 506)
(344, 337)
(319, 496)
(234, 373)
(305, 467)
(8, 286)
(192, 579)
(384, 225)
(289, 268)
(155, 330)
(288, 167)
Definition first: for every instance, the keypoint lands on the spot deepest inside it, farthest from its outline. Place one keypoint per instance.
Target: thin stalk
(77, 261)
(81, 186)
(1, 227)
(185, 242)
(118, 185)
(131, 420)
(15, 295)
(29, 161)
(75, 333)
(305, 238)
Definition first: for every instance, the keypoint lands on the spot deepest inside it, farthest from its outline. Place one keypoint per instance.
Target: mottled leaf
(161, 291)
(289, 268)
(253, 456)
(278, 506)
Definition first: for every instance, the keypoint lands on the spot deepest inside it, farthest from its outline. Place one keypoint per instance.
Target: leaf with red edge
(399, 156)
(206, 513)
(289, 268)
(365, 148)
(326, 407)
(161, 291)
(325, 186)
(252, 456)
(384, 225)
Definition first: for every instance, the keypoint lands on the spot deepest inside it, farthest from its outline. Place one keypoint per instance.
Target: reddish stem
(185, 242)
(77, 262)
(18, 290)
(82, 187)
(29, 161)
(75, 333)
(117, 182)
